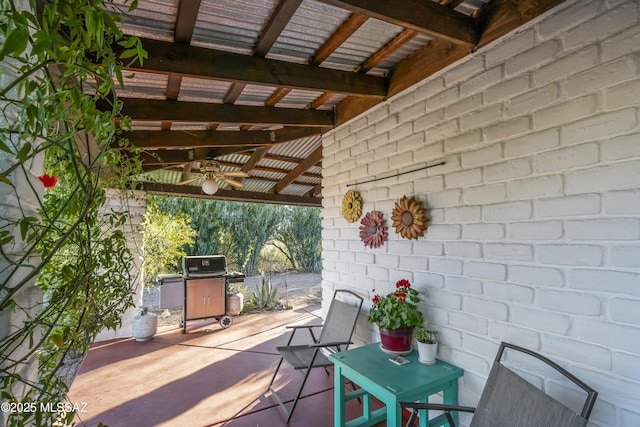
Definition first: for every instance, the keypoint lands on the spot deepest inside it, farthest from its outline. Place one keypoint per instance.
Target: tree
(165, 236)
(240, 231)
(298, 236)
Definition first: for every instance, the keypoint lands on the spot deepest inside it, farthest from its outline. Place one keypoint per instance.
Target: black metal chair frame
(447, 409)
(304, 357)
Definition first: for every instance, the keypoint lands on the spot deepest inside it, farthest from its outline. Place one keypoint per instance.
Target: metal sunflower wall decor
(409, 218)
(352, 206)
(373, 231)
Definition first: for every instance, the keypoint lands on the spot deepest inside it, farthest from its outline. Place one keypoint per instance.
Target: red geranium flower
(400, 296)
(403, 283)
(398, 308)
(48, 181)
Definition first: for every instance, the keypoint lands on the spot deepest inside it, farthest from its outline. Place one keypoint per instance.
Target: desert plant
(424, 335)
(264, 296)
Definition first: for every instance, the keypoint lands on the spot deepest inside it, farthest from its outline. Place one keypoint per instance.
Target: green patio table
(370, 368)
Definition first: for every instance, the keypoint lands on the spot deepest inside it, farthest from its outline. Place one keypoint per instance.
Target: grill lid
(205, 265)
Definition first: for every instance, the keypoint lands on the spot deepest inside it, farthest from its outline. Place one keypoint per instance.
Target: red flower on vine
(48, 181)
(376, 299)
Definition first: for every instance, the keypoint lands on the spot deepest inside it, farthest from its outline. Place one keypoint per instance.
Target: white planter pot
(235, 303)
(144, 326)
(427, 353)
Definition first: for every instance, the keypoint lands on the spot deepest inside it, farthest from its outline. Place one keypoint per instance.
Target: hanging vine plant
(352, 206)
(409, 218)
(57, 64)
(373, 231)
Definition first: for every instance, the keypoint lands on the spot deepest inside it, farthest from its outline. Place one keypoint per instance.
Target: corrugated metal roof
(310, 26)
(296, 189)
(255, 95)
(202, 90)
(367, 40)
(154, 19)
(298, 149)
(298, 99)
(231, 25)
(236, 26)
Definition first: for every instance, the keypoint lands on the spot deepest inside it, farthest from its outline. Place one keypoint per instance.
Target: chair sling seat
(510, 400)
(299, 356)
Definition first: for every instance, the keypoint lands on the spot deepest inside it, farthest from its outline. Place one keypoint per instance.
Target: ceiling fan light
(209, 186)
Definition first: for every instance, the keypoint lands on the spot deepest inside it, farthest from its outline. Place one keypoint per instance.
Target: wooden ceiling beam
(173, 90)
(416, 67)
(423, 16)
(181, 167)
(254, 159)
(186, 20)
(231, 195)
(158, 139)
(276, 97)
(233, 93)
(336, 40)
(345, 31)
(496, 19)
(425, 62)
(278, 20)
(182, 111)
(186, 171)
(179, 157)
(206, 63)
(400, 40)
(500, 17)
(451, 3)
(302, 167)
(185, 24)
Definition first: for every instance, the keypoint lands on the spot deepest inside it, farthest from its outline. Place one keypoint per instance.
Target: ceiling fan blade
(189, 181)
(238, 174)
(232, 182)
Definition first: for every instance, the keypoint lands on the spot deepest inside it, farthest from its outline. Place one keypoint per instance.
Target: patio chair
(335, 335)
(510, 400)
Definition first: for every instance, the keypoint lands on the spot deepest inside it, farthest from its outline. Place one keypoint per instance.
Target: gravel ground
(295, 289)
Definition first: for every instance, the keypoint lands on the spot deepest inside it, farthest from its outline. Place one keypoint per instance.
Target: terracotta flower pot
(397, 340)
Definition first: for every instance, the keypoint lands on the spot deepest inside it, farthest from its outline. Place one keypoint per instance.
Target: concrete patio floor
(207, 377)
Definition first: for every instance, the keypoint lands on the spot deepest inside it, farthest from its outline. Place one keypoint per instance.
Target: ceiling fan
(211, 173)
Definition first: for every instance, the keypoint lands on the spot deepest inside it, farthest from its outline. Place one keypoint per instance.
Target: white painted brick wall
(135, 204)
(534, 232)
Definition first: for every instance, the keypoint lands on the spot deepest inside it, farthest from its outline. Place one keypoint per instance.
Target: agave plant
(264, 296)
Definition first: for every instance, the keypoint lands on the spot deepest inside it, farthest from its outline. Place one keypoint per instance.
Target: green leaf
(24, 229)
(5, 180)
(129, 53)
(23, 154)
(15, 43)
(88, 20)
(4, 147)
(57, 340)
